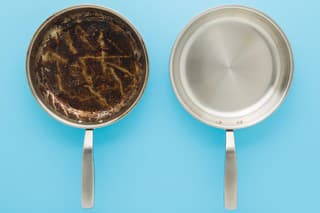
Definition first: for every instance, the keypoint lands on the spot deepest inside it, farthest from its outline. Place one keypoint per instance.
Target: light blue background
(159, 159)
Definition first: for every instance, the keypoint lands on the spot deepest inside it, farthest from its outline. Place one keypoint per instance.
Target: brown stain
(88, 66)
(69, 42)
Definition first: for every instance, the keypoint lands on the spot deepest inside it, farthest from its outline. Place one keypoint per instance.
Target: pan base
(231, 67)
(228, 67)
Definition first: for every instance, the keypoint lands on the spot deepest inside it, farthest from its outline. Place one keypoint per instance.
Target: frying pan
(231, 67)
(87, 66)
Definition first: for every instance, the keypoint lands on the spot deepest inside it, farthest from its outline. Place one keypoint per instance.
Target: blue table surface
(159, 158)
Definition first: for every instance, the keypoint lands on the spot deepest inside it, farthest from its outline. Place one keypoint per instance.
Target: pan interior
(231, 67)
(87, 66)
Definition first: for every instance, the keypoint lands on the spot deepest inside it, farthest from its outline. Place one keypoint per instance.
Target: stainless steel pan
(87, 66)
(231, 67)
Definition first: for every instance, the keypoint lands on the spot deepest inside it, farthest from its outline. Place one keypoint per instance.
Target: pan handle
(230, 173)
(87, 170)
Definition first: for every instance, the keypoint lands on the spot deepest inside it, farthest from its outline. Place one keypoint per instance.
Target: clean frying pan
(87, 66)
(231, 67)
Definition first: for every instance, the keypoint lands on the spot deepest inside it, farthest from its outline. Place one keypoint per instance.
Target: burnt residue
(88, 66)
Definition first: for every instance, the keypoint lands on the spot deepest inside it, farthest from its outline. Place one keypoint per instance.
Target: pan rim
(272, 109)
(70, 122)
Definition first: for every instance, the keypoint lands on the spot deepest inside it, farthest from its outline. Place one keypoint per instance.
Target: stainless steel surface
(87, 164)
(231, 67)
(230, 175)
(88, 170)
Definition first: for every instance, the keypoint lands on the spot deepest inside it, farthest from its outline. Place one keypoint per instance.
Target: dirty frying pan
(231, 67)
(87, 66)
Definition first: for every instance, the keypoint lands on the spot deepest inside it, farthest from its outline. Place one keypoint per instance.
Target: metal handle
(230, 175)
(87, 170)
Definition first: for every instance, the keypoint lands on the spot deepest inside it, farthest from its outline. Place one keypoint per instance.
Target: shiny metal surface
(87, 170)
(231, 67)
(230, 176)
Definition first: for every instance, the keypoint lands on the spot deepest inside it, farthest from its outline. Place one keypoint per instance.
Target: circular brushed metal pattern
(231, 67)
